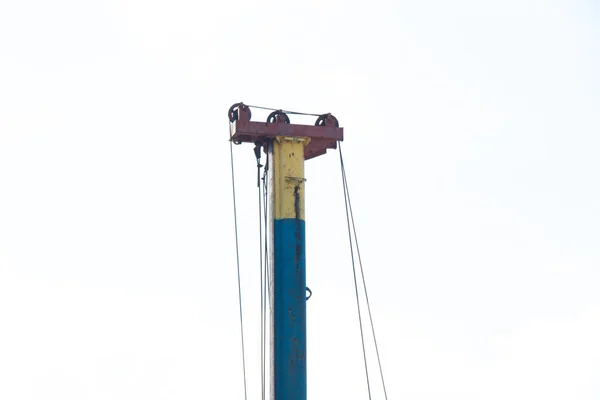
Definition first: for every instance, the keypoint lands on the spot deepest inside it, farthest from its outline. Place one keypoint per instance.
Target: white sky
(472, 139)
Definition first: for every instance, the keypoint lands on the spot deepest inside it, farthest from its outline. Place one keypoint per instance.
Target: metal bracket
(323, 135)
(309, 293)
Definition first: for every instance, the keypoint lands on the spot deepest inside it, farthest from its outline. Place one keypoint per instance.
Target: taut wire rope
(237, 255)
(344, 177)
(362, 336)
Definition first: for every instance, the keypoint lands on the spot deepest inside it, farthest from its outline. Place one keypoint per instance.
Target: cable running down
(352, 235)
(237, 255)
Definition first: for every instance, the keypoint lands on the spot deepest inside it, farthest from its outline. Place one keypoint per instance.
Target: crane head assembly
(322, 136)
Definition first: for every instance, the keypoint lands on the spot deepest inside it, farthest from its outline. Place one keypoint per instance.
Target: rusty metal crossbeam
(322, 137)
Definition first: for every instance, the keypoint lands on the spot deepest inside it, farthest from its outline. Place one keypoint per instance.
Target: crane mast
(288, 146)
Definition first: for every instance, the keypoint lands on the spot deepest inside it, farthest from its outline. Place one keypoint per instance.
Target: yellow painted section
(288, 168)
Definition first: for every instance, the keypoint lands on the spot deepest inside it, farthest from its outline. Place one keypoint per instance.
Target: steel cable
(262, 292)
(237, 254)
(266, 282)
(285, 111)
(362, 336)
(363, 278)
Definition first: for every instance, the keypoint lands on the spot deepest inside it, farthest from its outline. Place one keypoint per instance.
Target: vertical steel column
(288, 146)
(289, 269)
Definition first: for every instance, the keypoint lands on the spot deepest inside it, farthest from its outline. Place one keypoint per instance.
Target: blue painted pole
(286, 185)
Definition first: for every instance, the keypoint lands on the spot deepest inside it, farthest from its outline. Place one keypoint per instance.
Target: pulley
(278, 116)
(327, 120)
(234, 111)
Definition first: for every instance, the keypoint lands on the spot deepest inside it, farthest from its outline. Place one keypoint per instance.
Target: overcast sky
(472, 137)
